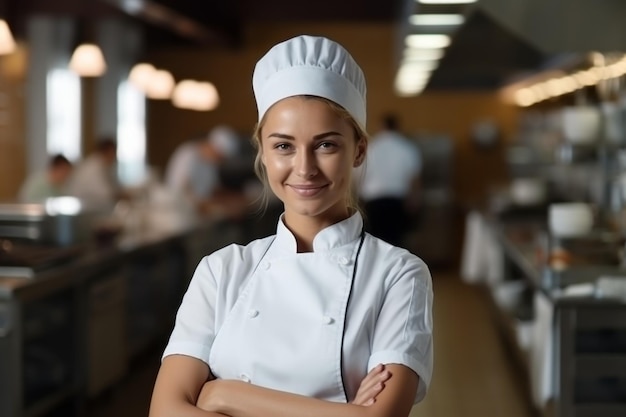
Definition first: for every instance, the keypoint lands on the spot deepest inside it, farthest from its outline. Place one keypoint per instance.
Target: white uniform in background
(93, 181)
(187, 170)
(268, 315)
(392, 164)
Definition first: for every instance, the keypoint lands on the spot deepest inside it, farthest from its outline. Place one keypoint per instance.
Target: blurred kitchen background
(518, 108)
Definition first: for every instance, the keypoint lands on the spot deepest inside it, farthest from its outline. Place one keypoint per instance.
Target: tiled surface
(473, 374)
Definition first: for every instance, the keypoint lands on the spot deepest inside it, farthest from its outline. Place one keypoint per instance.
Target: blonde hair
(352, 198)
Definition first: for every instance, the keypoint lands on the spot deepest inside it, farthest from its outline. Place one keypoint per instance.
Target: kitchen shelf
(588, 334)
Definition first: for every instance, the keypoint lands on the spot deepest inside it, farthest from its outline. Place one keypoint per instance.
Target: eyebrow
(316, 137)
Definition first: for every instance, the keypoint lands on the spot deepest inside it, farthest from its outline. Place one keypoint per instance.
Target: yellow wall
(12, 123)
(451, 113)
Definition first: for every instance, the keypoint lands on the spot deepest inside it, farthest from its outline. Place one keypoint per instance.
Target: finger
(373, 379)
(377, 375)
(368, 397)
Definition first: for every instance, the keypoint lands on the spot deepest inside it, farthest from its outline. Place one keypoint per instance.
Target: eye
(282, 146)
(327, 145)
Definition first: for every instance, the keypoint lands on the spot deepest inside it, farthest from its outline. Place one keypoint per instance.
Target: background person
(321, 319)
(94, 179)
(390, 185)
(48, 183)
(193, 170)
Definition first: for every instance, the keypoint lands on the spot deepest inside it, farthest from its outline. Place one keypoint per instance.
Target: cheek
(275, 167)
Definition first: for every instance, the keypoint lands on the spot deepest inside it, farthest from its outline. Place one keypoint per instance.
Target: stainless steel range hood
(504, 40)
(563, 26)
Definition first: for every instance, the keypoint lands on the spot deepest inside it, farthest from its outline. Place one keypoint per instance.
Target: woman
(321, 319)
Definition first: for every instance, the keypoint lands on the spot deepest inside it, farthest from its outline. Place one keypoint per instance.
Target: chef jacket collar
(334, 236)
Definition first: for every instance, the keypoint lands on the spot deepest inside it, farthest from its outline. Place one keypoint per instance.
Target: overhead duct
(558, 26)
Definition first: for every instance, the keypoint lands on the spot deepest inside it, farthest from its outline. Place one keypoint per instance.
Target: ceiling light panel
(436, 19)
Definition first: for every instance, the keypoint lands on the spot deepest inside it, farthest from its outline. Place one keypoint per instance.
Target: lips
(307, 190)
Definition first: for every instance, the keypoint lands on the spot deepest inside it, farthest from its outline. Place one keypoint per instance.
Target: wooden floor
(473, 377)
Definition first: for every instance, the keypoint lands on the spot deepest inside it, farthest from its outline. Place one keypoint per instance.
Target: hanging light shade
(88, 61)
(161, 85)
(209, 95)
(184, 94)
(194, 95)
(7, 43)
(141, 75)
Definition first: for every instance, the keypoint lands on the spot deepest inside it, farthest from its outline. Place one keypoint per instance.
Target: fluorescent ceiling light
(446, 1)
(422, 54)
(427, 41)
(409, 88)
(419, 65)
(436, 19)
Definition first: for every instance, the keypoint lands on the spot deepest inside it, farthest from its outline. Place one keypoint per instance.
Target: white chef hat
(225, 140)
(310, 65)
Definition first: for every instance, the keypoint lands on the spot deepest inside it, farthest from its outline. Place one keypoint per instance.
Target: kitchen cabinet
(40, 349)
(106, 347)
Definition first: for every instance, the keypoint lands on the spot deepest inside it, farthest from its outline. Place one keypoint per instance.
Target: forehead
(303, 110)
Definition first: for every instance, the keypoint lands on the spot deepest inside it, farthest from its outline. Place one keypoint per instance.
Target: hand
(372, 385)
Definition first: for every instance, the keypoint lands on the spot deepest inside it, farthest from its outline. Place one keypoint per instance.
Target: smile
(307, 190)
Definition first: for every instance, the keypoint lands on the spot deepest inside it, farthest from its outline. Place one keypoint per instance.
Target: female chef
(321, 319)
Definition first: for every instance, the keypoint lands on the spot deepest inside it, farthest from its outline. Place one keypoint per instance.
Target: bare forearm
(255, 401)
(180, 410)
(177, 387)
(239, 399)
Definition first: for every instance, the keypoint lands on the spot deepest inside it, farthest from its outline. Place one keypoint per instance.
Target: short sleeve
(403, 333)
(194, 330)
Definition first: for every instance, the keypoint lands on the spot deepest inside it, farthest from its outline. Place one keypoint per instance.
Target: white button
(266, 265)
(244, 378)
(327, 320)
(253, 313)
(343, 260)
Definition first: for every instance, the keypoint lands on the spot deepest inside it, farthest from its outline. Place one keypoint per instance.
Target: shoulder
(234, 258)
(394, 263)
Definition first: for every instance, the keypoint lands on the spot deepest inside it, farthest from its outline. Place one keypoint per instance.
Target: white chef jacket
(392, 163)
(265, 314)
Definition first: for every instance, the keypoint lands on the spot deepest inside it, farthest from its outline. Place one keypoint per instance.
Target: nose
(306, 164)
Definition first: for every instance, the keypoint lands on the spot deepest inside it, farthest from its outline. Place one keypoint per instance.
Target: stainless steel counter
(71, 331)
(583, 341)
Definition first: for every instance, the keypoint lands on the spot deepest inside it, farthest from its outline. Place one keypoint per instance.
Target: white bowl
(581, 124)
(528, 191)
(570, 219)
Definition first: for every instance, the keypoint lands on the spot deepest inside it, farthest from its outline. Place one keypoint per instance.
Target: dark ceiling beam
(169, 19)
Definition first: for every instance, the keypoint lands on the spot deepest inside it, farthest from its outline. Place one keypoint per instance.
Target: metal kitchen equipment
(57, 221)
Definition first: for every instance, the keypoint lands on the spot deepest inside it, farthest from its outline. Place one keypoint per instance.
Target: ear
(361, 151)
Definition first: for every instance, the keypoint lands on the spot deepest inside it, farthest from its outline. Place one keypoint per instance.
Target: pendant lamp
(88, 61)
(194, 95)
(7, 43)
(141, 75)
(161, 85)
